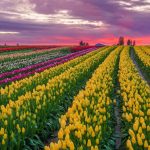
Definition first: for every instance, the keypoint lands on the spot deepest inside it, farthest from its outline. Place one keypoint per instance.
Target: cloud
(26, 13)
(73, 20)
(6, 32)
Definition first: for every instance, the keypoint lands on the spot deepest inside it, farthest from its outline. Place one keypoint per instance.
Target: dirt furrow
(132, 55)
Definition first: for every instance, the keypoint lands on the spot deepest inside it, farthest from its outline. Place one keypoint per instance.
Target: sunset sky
(69, 21)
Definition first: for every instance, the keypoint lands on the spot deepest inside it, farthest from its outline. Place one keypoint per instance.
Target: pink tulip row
(32, 69)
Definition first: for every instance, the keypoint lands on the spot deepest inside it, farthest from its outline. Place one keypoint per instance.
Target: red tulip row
(80, 48)
(16, 48)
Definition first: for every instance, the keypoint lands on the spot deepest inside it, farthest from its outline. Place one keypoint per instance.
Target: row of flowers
(23, 54)
(135, 93)
(85, 124)
(146, 49)
(26, 116)
(18, 48)
(39, 67)
(80, 48)
(20, 62)
(19, 87)
(41, 48)
(42, 63)
(143, 59)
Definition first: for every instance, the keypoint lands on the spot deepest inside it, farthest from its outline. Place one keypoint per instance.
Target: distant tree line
(82, 43)
(129, 41)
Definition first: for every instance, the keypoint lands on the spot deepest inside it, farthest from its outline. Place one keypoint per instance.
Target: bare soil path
(142, 74)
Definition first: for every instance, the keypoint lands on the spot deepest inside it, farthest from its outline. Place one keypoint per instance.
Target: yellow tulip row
(143, 59)
(27, 115)
(86, 122)
(146, 49)
(135, 93)
(18, 88)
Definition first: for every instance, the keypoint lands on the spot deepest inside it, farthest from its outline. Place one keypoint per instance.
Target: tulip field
(75, 98)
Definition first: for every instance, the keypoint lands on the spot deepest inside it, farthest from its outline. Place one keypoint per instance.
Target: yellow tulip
(94, 119)
(97, 141)
(141, 120)
(64, 145)
(148, 112)
(140, 130)
(5, 136)
(139, 140)
(131, 133)
(46, 148)
(133, 140)
(89, 143)
(60, 134)
(142, 136)
(135, 126)
(63, 123)
(2, 131)
(96, 147)
(71, 146)
(52, 146)
(143, 125)
(3, 142)
(96, 128)
(5, 122)
(145, 144)
(129, 144)
(93, 134)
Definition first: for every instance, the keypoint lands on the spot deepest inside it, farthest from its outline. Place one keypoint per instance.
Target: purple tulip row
(29, 70)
